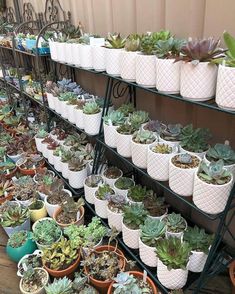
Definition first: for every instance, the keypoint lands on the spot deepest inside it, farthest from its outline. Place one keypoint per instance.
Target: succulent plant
(17, 239)
(214, 173)
(134, 215)
(6, 187)
(14, 216)
(104, 191)
(116, 202)
(151, 231)
(60, 286)
(137, 118)
(126, 108)
(175, 223)
(81, 286)
(169, 48)
(76, 164)
(221, 151)
(91, 108)
(137, 193)
(230, 54)
(149, 40)
(185, 158)
(115, 41)
(42, 134)
(162, 148)
(35, 278)
(115, 118)
(173, 253)
(155, 205)
(171, 132)
(94, 181)
(154, 126)
(144, 137)
(112, 172)
(46, 232)
(133, 42)
(126, 129)
(124, 183)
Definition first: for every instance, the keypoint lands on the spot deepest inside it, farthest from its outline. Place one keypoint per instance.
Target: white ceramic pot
(200, 154)
(51, 208)
(75, 54)
(50, 100)
(110, 135)
(128, 68)
(123, 144)
(211, 198)
(65, 169)
(178, 235)
(76, 178)
(158, 164)
(59, 106)
(122, 192)
(101, 207)
(78, 113)
(11, 230)
(130, 237)
(35, 253)
(53, 50)
(85, 56)
(181, 180)
(197, 261)
(146, 70)
(114, 219)
(112, 61)
(147, 254)
(168, 75)
(198, 82)
(50, 156)
(92, 123)
(172, 143)
(68, 53)
(61, 52)
(171, 279)
(57, 163)
(24, 203)
(38, 142)
(44, 149)
(98, 58)
(109, 181)
(89, 192)
(16, 157)
(56, 104)
(64, 109)
(225, 88)
(158, 217)
(71, 112)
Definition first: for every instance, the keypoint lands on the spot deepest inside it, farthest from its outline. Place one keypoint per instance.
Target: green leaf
(230, 43)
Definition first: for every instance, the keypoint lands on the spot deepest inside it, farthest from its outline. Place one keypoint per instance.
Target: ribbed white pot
(158, 164)
(57, 163)
(230, 168)
(110, 135)
(51, 208)
(71, 112)
(171, 279)
(122, 192)
(200, 154)
(211, 198)
(101, 207)
(172, 143)
(139, 153)
(198, 82)
(92, 123)
(53, 50)
(168, 75)
(112, 61)
(146, 70)
(38, 142)
(75, 54)
(114, 219)
(225, 88)
(89, 193)
(123, 144)
(128, 68)
(50, 156)
(65, 169)
(76, 178)
(64, 109)
(181, 180)
(68, 53)
(50, 100)
(98, 58)
(85, 56)
(160, 217)
(78, 113)
(197, 261)
(147, 254)
(109, 181)
(130, 237)
(61, 52)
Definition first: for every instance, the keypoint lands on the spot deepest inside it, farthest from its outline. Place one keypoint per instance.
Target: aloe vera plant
(115, 41)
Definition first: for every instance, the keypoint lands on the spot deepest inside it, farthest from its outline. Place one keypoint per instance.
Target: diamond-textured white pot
(53, 50)
(112, 61)
(98, 58)
(211, 198)
(56, 104)
(197, 261)
(168, 75)
(75, 54)
(127, 63)
(70, 110)
(50, 100)
(89, 193)
(64, 109)
(146, 70)
(65, 169)
(50, 156)
(57, 163)
(122, 192)
(61, 51)
(130, 237)
(114, 219)
(85, 56)
(109, 181)
(171, 279)
(68, 53)
(78, 113)
(76, 178)
(147, 254)
(92, 123)
(230, 168)
(123, 144)
(225, 88)
(198, 82)
(181, 180)
(200, 154)
(59, 106)
(38, 142)
(110, 135)
(51, 208)
(101, 207)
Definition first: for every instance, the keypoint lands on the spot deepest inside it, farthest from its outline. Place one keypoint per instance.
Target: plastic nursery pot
(65, 272)
(140, 276)
(36, 214)
(79, 222)
(17, 253)
(104, 285)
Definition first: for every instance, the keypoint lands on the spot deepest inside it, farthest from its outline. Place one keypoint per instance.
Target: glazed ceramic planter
(111, 181)
(114, 219)
(92, 123)
(85, 56)
(78, 113)
(147, 254)
(123, 144)
(101, 207)
(16, 157)
(76, 178)
(130, 237)
(23, 227)
(168, 75)
(110, 135)
(211, 198)
(36, 214)
(198, 82)
(112, 61)
(37, 253)
(197, 261)
(98, 58)
(80, 220)
(75, 54)
(51, 208)
(127, 63)
(146, 70)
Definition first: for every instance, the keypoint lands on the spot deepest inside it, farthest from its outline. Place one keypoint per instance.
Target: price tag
(5, 193)
(4, 158)
(60, 153)
(78, 215)
(24, 266)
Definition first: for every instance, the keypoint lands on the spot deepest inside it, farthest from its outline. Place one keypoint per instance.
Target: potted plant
(155, 206)
(19, 244)
(175, 225)
(57, 153)
(62, 103)
(182, 168)
(139, 147)
(114, 46)
(77, 171)
(100, 200)
(92, 118)
(41, 134)
(111, 174)
(25, 194)
(34, 280)
(7, 169)
(71, 104)
(31, 164)
(91, 185)
(194, 141)
(85, 56)
(44, 144)
(78, 113)
(150, 233)
(173, 256)
(29, 260)
(200, 243)
(126, 109)
(70, 212)
(169, 134)
(46, 232)
(134, 215)
(136, 194)
(197, 56)
(30, 41)
(167, 70)
(123, 139)
(225, 79)
(128, 57)
(122, 185)
(154, 126)
(37, 210)
(111, 122)
(65, 158)
(6, 190)
(61, 285)
(159, 154)
(212, 186)
(51, 147)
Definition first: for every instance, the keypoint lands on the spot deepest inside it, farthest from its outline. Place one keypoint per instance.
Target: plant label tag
(5, 193)
(60, 153)
(14, 179)
(145, 276)
(83, 98)
(34, 167)
(54, 124)
(93, 97)
(4, 158)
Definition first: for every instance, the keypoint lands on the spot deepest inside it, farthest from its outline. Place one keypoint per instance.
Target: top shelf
(25, 52)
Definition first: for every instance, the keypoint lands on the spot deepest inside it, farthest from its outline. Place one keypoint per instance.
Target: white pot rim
(116, 213)
(124, 189)
(90, 114)
(40, 220)
(226, 165)
(40, 289)
(135, 231)
(90, 177)
(191, 168)
(145, 144)
(103, 174)
(213, 185)
(150, 247)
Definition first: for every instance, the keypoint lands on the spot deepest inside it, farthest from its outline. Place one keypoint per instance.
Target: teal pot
(17, 253)
(30, 44)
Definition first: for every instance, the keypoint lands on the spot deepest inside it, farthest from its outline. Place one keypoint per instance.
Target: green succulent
(171, 132)
(46, 232)
(162, 149)
(91, 108)
(115, 118)
(85, 39)
(126, 129)
(66, 155)
(81, 286)
(104, 191)
(60, 286)
(173, 253)
(124, 183)
(137, 193)
(67, 96)
(169, 48)
(149, 41)
(221, 151)
(133, 42)
(115, 41)
(144, 137)
(76, 164)
(230, 54)
(151, 231)
(126, 108)
(14, 216)
(17, 239)
(134, 215)
(175, 223)
(42, 134)
(137, 118)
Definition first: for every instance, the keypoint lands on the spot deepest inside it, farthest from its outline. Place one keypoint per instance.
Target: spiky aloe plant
(115, 41)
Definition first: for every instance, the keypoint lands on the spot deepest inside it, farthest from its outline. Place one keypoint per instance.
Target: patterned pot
(53, 50)
(50, 156)
(122, 192)
(112, 61)
(197, 261)
(85, 56)
(110, 135)
(61, 52)
(200, 154)
(123, 144)
(147, 254)
(101, 207)
(78, 113)
(168, 75)
(65, 169)
(114, 219)
(146, 70)
(128, 68)
(57, 163)
(89, 192)
(56, 104)
(98, 58)
(130, 237)
(64, 109)
(71, 112)
(225, 88)
(193, 84)
(50, 100)
(110, 181)
(68, 53)
(92, 123)
(75, 54)
(76, 178)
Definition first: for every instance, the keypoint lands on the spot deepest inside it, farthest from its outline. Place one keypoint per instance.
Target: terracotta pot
(232, 272)
(137, 275)
(31, 172)
(11, 174)
(79, 222)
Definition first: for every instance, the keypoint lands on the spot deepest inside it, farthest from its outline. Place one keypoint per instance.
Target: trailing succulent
(114, 118)
(134, 215)
(124, 183)
(175, 223)
(221, 151)
(151, 231)
(144, 137)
